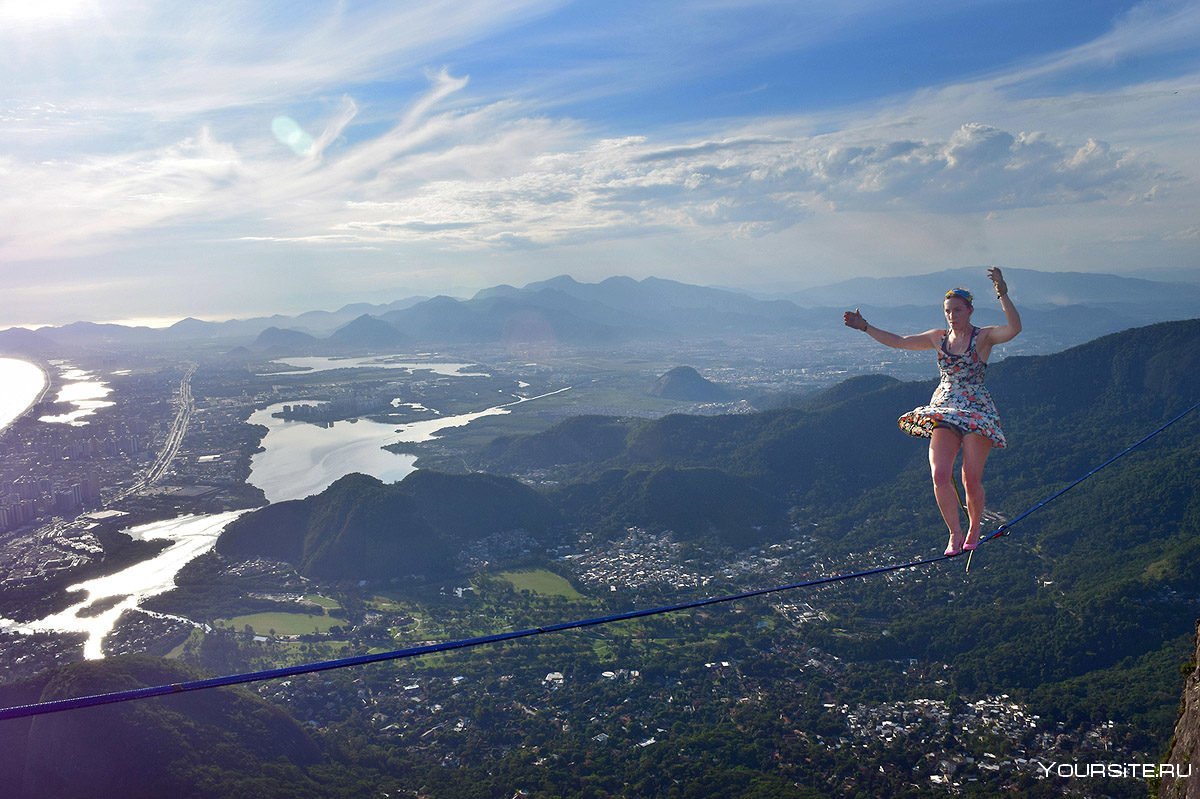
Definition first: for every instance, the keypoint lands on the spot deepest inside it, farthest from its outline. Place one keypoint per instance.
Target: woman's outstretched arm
(918, 341)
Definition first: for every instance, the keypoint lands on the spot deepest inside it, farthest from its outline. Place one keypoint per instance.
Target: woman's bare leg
(943, 447)
(975, 449)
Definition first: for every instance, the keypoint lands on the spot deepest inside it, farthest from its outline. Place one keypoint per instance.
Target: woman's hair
(962, 294)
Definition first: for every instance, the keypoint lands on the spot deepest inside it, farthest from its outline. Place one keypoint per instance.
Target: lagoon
(299, 459)
(313, 364)
(81, 389)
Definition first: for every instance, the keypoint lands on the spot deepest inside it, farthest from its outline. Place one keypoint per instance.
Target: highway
(179, 425)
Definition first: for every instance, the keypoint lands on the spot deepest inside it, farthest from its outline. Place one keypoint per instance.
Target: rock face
(1185, 745)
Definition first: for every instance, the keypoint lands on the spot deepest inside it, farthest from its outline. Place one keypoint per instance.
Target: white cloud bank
(490, 177)
(171, 148)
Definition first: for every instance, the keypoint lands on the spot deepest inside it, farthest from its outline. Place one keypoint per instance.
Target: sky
(231, 159)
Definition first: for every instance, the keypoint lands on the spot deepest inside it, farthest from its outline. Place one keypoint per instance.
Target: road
(179, 425)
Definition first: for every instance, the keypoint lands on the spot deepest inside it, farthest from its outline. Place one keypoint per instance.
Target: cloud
(748, 186)
(172, 60)
(486, 176)
(123, 142)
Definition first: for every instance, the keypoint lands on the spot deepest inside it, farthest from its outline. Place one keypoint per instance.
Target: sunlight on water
(190, 537)
(314, 364)
(83, 391)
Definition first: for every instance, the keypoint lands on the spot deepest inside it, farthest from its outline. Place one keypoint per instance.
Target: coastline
(47, 383)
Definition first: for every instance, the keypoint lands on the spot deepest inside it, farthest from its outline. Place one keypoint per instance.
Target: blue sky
(160, 160)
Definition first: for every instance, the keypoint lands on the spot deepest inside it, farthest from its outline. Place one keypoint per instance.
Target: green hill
(360, 528)
(184, 745)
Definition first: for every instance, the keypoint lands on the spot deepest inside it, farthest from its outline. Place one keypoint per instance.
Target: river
(190, 537)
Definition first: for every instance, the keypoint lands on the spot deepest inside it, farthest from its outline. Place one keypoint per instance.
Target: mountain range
(1060, 309)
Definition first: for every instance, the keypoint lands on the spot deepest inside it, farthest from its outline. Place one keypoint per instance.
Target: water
(300, 459)
(190, 537)
(81, 389)
(20, 384)
(314, 364)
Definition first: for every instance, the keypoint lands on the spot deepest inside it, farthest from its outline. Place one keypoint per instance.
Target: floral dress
(961, 400)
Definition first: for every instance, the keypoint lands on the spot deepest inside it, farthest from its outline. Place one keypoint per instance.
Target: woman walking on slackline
(961, 414)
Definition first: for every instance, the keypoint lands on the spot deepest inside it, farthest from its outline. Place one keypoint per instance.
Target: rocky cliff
(1185, 745)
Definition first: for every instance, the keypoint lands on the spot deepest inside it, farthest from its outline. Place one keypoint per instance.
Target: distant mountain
(543, 317)
(280, 341)
(1059, 310)
(685, 383)
(19, 341)
(145, 750)
(366, 333)
(1030, 288)
(360, 528)
(563, 310)
(682, 308)
(194, 328)
(100, 336)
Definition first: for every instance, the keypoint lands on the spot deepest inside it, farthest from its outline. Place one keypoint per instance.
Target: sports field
(284, 623)
(541, 581)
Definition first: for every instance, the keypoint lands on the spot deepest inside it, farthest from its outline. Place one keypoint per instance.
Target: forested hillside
(362, 529)
(227, 741)
(1083, 615)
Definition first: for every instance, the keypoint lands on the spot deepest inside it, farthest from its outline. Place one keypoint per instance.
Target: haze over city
(223, 159)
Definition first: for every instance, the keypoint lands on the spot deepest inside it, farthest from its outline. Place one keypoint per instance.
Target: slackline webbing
(59, 705)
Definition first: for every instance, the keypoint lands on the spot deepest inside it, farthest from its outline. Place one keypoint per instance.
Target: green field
(323, 601)
(283, 623)
(540, 581)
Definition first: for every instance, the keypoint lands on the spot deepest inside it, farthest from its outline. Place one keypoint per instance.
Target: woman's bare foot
(955, 546)
(972, 541)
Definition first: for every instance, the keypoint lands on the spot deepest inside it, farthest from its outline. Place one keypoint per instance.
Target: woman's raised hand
(854, 319)
(997, 281)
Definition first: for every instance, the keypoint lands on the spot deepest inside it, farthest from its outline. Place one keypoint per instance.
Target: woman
(961, 414)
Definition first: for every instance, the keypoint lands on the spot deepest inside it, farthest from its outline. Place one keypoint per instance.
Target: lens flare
(289, 132)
